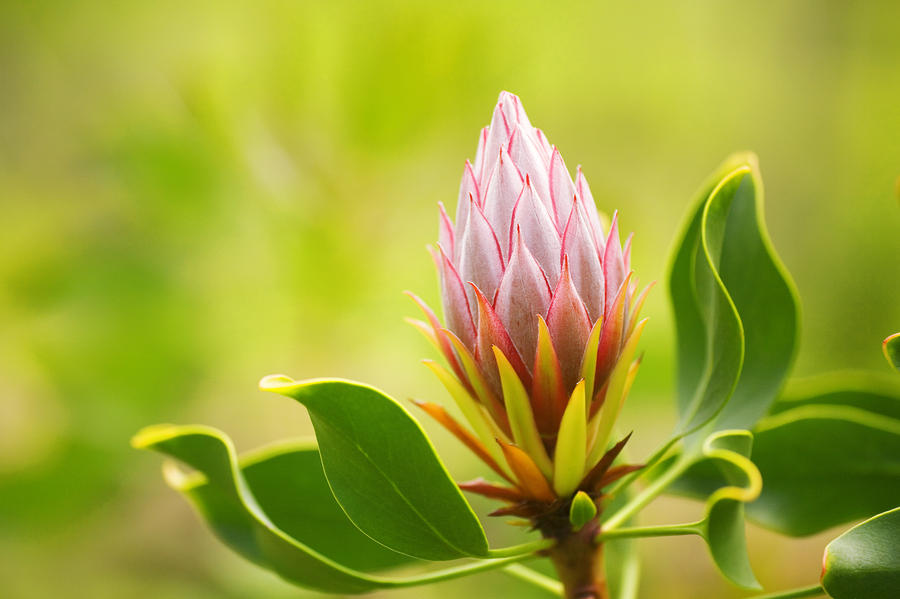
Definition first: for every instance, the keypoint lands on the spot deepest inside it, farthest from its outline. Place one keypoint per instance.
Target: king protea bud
(540, 318)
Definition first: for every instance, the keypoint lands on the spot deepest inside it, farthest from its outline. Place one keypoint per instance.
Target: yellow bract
(571, 445)
(521, 417)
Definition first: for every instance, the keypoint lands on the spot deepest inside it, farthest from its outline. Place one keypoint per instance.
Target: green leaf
(223, 497)
(384, 471)
(871, 391)
(822, 465)
(724, 522)
(735, 308)
(582, 510)
(864, 562)
(891, 347)
(724, 456)
(288, 483)
(825, 465)
(276, 510)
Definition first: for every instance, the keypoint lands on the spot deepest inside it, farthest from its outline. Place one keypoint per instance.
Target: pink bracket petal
(584, 262)
(562, 191)
(445, 230)
(613, 261)
(524, 293)
(528, 159)
(531, 217)
(457, 312)
(570, 326)
(491, 332)
(480, 260)
(500, 196)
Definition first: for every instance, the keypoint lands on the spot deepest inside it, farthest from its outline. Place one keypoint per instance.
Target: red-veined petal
(457, 311)
(524, 293)
(478, 166)
(613, 261)
(590, 208)
(562, 191)
(491, 332)
(480, 261)
(527, 157)
(584, 262)
(570, 326)
(547, 391)
(445, 230)
(500, 197)
(611, 336)
(530, 216)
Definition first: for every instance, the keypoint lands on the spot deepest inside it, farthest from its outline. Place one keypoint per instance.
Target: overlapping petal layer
(529, 275)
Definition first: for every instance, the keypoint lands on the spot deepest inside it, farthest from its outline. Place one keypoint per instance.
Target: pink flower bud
(528, 245)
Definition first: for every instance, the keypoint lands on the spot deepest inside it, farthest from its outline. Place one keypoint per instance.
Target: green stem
(523, 549)
(647, 495)
(551, 585)
(648, 466)
(667, 530)
(451, 573)
(813, 591)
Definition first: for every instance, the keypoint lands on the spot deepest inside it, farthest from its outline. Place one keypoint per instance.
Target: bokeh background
(193, 195)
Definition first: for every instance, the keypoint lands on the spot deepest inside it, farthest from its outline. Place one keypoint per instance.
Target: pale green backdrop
(195, 194)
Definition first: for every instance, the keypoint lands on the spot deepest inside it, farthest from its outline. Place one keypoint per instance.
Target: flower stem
(647, 495)
(523, 549)
(578, 559)
(457, 572)
(812, 591)
(551, 585)
(667, 530)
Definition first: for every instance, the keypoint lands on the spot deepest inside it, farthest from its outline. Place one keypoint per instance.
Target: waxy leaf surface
(724, 523)
(829, 454)
(891, 347)
(735, 308)
(728, 481)
(825, 465)
(384, 471)
(258, 513)
(864, 562)
(873, 392)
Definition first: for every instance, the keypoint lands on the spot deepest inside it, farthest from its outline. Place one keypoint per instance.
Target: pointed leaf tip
(582, 510)
(152, 435)
(891, 348)
(276, 382)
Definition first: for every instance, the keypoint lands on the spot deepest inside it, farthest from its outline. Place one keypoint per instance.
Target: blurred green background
(193, 195)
